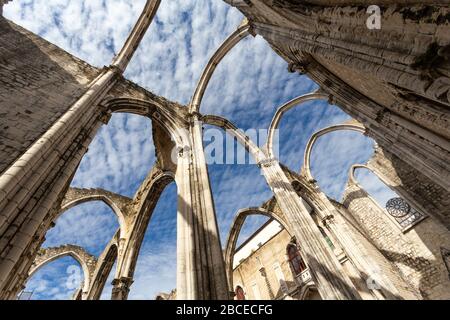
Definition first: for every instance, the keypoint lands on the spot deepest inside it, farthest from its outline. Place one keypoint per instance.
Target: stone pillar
(269, 289)
(364, 262)
(33, 187)
(327, 272)
(121, 288)
(200, 263)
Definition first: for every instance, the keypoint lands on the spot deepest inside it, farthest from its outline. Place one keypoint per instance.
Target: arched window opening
(239, 292)
(120, 156)
(397, 208)
(90, 225)
(346, 148)
(57, 280)
(295, 260)
(155, 271)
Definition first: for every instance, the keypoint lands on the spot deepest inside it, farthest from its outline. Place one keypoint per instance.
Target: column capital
(121, 288)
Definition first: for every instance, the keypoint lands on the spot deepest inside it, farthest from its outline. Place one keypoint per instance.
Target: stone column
(33, 187)
(200, 264)
(121, 288)
(269, 289)
(362, 260)
(327, 272)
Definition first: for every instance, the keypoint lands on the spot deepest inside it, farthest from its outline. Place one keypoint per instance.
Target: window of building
(295, 260)
(240, 295)
(405, 215)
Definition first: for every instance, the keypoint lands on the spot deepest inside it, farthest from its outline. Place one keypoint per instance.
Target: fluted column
(200, 265)
(327, 272)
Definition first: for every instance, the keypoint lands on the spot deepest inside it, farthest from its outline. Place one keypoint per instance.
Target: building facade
(269, 266)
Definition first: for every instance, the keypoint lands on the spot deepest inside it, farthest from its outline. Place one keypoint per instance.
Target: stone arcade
(394, 83)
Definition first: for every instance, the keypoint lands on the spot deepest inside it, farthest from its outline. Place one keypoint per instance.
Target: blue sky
(248, 86)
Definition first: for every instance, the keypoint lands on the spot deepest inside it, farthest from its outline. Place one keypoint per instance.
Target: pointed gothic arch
(241, 32)
(235, 230)
(87, 261)
(316, 95)
(77, 196)
(104, 267)
(306, 168)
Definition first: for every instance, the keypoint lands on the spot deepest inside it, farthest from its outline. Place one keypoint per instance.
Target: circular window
(397, 207)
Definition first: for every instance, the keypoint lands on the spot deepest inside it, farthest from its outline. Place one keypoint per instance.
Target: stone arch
(172, 120)
(230, 128)
(353, 181)
(286, 107)
(87, 261)
(117, 203)
(104, 267)
(242, 31)
(144, 203)
(151, 191)
(169, 119)
(306, 169)
(235, 230)
(351, 172)
(397, 190)
(273, 175)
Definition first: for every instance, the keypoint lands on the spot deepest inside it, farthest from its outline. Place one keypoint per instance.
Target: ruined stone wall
(38, 83)
(416, 252)
(417, 189)
(383, 265)
(247, 272)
